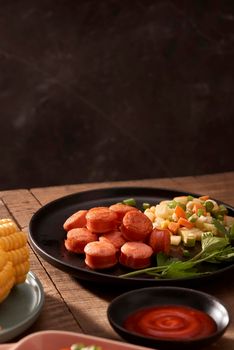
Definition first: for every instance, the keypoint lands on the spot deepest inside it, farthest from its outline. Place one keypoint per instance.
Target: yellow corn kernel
(150, 215)
(3, 259)
(17, 256)
(13, 241)
(5, 291)
(164, 224)
(152, 209)
(4, 221)
(6, 273)
(21, 270)
(7, 227)
(14, 257)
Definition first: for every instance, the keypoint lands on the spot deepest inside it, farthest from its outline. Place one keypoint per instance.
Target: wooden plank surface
(81, 306)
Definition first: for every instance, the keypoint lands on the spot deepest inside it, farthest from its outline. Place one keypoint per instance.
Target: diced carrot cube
(185, 222)
(198, 206)
(180, 213)
(173, 227)
(204, 198)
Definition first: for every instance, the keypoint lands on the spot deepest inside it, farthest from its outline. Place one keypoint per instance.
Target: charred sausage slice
(100, 255)
(101, 220)
(136, 226)
(77, 238)
(114, 237)
(121, 209)
(76, 220)
(135, 255)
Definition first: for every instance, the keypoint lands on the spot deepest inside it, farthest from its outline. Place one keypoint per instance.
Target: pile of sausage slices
(116, 234)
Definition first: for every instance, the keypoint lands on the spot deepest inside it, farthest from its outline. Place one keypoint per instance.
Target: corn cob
(3, 259)
(7, 276)
(20, 261)
(14, 257)
(3, 221)
(18, 256)
(21, 271)
(7, 226)
(15, 240)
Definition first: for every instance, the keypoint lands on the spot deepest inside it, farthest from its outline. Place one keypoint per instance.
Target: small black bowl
(128, 303)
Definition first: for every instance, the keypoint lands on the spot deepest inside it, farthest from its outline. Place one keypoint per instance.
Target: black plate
(47, 235)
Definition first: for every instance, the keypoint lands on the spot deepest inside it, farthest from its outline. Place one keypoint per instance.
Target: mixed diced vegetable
(187, 218)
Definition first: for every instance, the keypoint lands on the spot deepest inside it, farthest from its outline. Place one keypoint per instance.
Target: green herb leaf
(180, 273)
(220, 227)
(210, 243)
(231, 233)
(164, 260)
(226, 255)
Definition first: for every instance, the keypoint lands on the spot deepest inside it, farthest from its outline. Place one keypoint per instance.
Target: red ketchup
(171, 322)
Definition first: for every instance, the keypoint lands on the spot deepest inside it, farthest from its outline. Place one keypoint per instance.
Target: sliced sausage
(136, 255)
(76, 220)
(77, 238)
(100, 255)
(114, 237)
(101, 220)
(121, 209)
(136, 226)
(160, 240)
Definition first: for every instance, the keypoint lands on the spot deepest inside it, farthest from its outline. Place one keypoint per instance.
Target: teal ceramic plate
(21, 308)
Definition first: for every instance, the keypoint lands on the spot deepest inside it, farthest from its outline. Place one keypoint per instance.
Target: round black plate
(47, 235)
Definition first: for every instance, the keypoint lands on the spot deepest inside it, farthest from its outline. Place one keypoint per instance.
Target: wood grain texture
(81, 306)
(219, 186)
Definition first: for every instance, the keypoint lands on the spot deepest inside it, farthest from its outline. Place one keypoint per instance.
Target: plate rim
(80, 337)
(66, 267)
(14, 330)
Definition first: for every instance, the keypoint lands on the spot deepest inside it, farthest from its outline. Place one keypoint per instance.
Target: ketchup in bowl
(174, 322)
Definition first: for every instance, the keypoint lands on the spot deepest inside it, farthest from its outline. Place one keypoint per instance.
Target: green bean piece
(209, 206)
(145, 206)
(172, 204)
(130, 201)
(200, 212)
(192, 218)
(190, 198)
(183, 206)
(222, 210)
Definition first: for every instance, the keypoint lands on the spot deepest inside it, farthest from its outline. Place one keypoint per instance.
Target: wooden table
(81, 306)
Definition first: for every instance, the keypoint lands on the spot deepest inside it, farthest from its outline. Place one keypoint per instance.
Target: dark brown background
(114, 90)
